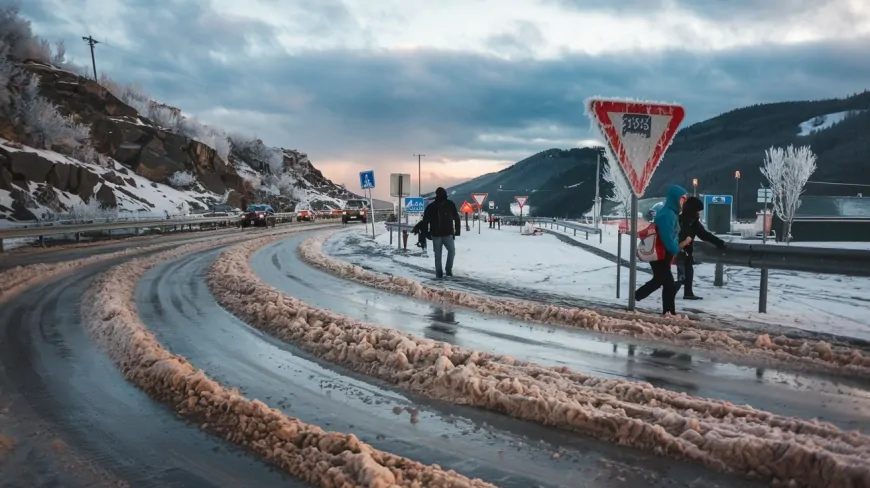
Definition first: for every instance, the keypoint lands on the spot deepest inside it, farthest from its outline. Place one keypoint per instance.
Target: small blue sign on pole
(415, 204)
(717, 199)
(367, 179)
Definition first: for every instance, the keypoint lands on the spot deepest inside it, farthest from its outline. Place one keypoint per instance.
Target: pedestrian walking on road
(691, 227)
(668, 224)
(443, 224)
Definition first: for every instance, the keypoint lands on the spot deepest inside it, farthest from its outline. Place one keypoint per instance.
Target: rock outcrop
(118, 131)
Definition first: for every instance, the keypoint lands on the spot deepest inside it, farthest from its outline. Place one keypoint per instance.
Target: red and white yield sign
(479, 198)
(521, 201)
(638, 134)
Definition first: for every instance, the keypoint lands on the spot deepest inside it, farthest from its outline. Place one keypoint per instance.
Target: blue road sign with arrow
(367, 179)
(415, 204)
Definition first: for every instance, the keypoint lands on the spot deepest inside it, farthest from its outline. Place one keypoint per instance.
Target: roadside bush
(182, 179)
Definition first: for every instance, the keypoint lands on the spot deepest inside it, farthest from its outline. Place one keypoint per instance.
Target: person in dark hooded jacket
(691, 227)
(443, 224)
(668, 224)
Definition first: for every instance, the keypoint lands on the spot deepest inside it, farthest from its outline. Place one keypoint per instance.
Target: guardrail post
(78, 237)
(42, 241)
(618, 260)
(1, 246)
(719, 275)
(587, 236)
(762, 292)
(391, 235)
(600, 237)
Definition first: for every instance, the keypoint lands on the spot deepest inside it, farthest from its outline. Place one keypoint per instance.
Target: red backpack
(650, 247)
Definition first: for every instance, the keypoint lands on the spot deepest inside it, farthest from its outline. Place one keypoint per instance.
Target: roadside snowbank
(785, 451)
(326, 459)
(815, 355)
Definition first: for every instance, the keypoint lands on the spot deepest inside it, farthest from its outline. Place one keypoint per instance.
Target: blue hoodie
(668, 222)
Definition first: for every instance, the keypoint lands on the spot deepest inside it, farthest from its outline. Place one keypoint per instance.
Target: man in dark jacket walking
(443, 224)
(668, 225)
(691, 227)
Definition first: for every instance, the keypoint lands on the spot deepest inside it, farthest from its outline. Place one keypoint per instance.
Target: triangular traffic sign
(466, 208)
(521, 201)
(638, 134)
(479, 198)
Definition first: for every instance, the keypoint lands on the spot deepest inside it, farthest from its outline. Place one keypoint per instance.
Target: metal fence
(844, 262)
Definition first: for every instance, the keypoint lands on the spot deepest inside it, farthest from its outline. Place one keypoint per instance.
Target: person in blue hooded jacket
(668, 223)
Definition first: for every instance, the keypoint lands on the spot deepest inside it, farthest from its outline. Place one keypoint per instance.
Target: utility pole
(419, 175)
(92, 42)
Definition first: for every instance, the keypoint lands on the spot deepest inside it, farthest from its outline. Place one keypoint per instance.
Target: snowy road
(670, 368)
(56, 382)
(175, 303)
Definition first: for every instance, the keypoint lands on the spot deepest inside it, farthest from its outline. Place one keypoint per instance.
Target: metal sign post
(632, 272)
(766, 194)
(372, 210)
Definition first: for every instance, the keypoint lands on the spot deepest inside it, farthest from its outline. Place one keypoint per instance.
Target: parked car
(259, 215)
(356, 210)
(306, 215)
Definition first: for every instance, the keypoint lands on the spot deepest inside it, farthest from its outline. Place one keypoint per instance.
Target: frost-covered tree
(182, 179)
(788, 170)
(15, 33)
(621, 189)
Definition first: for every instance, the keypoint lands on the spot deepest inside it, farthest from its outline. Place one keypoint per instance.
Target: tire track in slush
(673, 368)
(504, 451)
(47, 358)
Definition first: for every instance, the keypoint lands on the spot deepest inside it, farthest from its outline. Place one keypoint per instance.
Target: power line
(92, 42)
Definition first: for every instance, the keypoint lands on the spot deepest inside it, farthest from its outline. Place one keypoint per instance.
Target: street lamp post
(736, 195)
(694, 186)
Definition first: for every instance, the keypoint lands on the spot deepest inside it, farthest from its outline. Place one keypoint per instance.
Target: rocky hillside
(69, 143)
(561, 182)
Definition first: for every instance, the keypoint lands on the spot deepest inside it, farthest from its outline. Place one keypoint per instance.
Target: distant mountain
(838, 130)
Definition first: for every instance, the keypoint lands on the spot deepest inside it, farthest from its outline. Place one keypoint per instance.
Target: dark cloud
(376, 106)
(719, 10)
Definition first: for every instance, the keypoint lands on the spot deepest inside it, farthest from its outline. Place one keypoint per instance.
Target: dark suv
(355, 210)
(259, 215)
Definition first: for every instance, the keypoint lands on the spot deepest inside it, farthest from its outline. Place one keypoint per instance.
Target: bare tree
(787, 170)
(621, 190)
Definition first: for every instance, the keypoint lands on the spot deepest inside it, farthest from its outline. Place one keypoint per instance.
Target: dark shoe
(692, 297)
(450, 273)
(439, 277)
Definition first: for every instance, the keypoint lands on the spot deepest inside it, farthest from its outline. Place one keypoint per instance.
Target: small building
(832, 219)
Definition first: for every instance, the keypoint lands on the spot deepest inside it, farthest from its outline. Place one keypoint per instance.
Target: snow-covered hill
(73, 190)
(822, 122)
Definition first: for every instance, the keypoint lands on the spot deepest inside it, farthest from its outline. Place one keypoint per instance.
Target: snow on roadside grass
(785, 451)
(324, 459)
(738, 344)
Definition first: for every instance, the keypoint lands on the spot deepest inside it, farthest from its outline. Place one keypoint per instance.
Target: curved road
(674, 368)
(175, 303)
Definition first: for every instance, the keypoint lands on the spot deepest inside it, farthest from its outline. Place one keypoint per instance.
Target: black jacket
(442, 219)
(691, 226)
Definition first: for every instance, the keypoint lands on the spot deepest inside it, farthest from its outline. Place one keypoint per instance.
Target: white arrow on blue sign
(415, 204)
(367, 179)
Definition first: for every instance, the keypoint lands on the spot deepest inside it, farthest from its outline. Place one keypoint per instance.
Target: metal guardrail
(78, 229)
(844, 262)
(586, 229)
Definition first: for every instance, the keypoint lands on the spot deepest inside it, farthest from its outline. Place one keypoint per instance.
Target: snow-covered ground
(821, 303)
(823, 122)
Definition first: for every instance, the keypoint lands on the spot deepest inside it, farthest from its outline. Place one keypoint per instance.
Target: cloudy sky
(473, 84)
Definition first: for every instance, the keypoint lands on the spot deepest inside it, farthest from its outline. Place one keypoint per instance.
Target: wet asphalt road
(53, 368)
(671, 368)
(175, 303)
